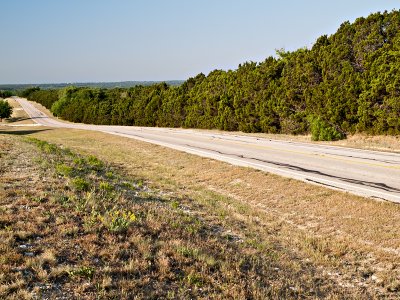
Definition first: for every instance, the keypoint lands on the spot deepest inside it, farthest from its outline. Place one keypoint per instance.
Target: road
(362, 172)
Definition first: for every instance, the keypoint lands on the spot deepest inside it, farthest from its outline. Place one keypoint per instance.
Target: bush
(6, 94)
(5, 109)
(322, 131)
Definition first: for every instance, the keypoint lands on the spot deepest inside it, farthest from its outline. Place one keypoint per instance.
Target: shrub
(322, 131)
(5, 110)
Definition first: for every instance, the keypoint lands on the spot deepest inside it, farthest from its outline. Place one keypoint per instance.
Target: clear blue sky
(47, 41)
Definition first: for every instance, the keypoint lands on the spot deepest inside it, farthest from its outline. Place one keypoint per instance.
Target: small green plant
(194, 279)
(80, 203)
(84, 271)
(175, 204)
(79, 161)
(106, 186)
(91, 220)
(39, 199)
(188, 252)
(95, 163)
(129, 185)
(50, 148)
(64, 170)
(110, 175)
(62, 199)
(117, 221)
(80, 184)
(139, 183)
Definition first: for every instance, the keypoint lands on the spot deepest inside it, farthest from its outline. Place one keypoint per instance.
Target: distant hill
(121, 84)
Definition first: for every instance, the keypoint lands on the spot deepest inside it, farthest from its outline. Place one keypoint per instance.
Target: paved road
(366, 173)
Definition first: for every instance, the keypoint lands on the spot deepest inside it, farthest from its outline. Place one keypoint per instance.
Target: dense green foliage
(45, 97)
(5, 109)
(347, 82)
(6, 93)
(323, 131)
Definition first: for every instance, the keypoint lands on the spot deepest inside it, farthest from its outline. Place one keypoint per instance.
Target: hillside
(346, 83)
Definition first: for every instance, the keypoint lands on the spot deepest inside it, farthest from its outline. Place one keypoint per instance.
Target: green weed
(188, 252)
(84, 271)
(117, 221)
(106, 186)
(80, 184)
(64, 170)
(194, 279)
(175, 204)
(95, 163)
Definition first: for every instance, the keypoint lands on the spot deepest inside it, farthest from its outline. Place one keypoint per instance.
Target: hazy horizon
(49, 42)
(89, 82)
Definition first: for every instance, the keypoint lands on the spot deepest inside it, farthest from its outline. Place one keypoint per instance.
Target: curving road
(366, 173)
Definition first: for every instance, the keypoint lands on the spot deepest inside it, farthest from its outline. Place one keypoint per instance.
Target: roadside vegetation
(5, 109)
(6, 93)
(156, 223)
(346, 83)
(83, 231)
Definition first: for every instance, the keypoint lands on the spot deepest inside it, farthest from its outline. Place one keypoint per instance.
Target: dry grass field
(118, 218)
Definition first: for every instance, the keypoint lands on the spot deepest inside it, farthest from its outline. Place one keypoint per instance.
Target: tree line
(6, 93)
(347, 82)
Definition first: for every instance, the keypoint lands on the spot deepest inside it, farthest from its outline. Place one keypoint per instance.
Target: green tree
(5, 110)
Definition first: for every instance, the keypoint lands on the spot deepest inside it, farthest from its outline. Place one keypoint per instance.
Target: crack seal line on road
(324, 156)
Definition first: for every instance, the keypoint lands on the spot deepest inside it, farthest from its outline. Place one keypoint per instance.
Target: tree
(5, 110)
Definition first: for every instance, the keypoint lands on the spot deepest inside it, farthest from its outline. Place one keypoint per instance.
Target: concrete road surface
(367, 173)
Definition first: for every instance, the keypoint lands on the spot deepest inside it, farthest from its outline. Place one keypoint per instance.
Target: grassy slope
(245, 234)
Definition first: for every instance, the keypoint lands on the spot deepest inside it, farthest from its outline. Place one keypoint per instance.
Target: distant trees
(347, 82)
(5, 110)
(6, 94)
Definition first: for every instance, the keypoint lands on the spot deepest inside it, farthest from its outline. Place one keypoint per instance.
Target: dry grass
(294, 239)
(115, 237)
(369, 142)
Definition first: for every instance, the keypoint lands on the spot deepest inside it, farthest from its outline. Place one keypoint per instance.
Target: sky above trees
(47, 41)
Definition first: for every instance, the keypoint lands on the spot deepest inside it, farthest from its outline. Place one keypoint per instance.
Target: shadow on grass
(17, 119)
(22, 132)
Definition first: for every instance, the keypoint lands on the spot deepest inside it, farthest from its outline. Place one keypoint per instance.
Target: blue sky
(47, 41)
